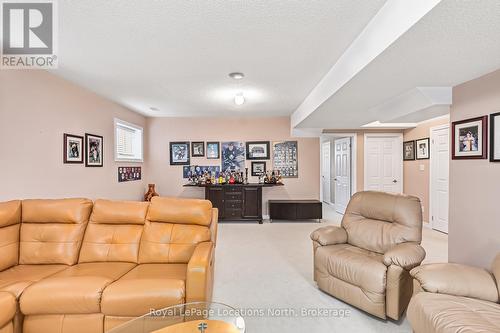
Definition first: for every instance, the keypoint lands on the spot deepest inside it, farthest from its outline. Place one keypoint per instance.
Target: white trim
(400, 151)
(431, 131)
(354, 157)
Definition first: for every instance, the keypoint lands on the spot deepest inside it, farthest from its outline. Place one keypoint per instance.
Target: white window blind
(128, 141)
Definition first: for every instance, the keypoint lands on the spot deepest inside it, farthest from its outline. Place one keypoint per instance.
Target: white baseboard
(427, 225)
(265, 217)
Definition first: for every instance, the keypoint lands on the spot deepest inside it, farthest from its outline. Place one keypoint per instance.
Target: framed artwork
(73, 148)
(213, 150)
(198, 149)
(285, 158)
(257, 150)
(469, 138)
(199, 170)
(179, 153)
(233, 156)
(495, 137)
(258, 168)
(409, 150)
(423, 149)
(94, 150)
(127, 174)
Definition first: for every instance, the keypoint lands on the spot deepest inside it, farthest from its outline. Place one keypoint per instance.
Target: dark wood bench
(295, 210)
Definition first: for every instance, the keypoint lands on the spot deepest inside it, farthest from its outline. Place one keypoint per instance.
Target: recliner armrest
(457, 280)
(329, 235)
(405, 255)
(199, 273)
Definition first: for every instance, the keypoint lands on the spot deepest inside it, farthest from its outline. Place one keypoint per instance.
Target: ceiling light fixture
(236, 75)
(154, 109)
(239, 99)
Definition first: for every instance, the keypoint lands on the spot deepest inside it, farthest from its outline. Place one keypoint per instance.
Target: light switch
(422, 167)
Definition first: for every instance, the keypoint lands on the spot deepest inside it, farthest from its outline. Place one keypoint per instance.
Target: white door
(325, 171)
(439, 174)
(384, 162)
(342, 174)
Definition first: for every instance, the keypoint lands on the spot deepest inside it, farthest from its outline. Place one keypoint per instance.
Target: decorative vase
(150, 193)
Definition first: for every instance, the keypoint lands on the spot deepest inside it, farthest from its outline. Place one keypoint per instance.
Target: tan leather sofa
(366, 261)
(7, 312)
(455, 298)
(78, 266)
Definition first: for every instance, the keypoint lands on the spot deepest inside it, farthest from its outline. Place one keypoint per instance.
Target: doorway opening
(338, 169)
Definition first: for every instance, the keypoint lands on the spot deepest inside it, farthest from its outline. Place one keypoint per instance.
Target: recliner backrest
(10, 222)
(173, 229)
(114, 231)
(377, 221)
(495, 269)
(52, 230)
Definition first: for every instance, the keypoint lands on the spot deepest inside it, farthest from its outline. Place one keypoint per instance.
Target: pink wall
(474, 231)
(416, 181)
(36, 108)
(169, 178)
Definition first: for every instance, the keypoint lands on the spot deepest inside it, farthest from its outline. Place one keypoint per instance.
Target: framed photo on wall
(73, 148)
(258, 150)
(258, 168)
(422, 148)
(94, 149)
(409, 150)
(213, 150)
(469, 138)
(198, 149)
(495, 137)
(233, 155)
(179, 153)
(285, 158)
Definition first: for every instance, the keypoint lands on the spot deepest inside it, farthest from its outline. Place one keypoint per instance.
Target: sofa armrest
(199, 277)
(329, 235)
(8, 306)
(457, 280)
(405, 255)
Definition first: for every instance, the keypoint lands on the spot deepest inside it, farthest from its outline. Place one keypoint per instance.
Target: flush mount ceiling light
(154, 109)
(239, 99)
(236, 75)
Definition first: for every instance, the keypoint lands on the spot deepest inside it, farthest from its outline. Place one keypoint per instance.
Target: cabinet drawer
(232, 188)
(233, 196)
(233, 204)
(233, 213)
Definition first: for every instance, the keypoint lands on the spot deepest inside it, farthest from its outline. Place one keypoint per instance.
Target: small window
(128, 141)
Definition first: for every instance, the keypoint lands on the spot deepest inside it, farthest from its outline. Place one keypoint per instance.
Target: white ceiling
(175, 55)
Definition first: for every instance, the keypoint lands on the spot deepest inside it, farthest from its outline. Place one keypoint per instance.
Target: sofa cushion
(52, 230)
(433, 313)
(18, 278)
(495, 269)
(377, 221)
(146, 287)
(10, 219)
(114, 231)
(75, 290)
(180, 211)
(8, 306)
(354, 265)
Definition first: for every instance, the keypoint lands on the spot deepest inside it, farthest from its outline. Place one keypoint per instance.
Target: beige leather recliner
(455, 298)
(366, 261)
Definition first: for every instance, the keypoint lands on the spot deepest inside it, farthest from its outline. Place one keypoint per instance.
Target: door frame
(439, 127)
(399, 136)
(354, 149)
(329, 202)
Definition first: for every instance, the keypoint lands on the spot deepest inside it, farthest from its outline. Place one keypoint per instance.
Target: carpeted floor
(267, 271)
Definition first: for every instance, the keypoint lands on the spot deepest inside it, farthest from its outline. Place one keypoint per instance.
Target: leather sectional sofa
(78, 266)
(453, 298)
(366, 262)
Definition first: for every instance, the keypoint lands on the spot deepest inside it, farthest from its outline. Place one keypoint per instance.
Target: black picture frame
(494, 128)
(94, 153)
(209, 150)
(194, 149)
(427, 154)
(408, 144)
(67, 159)
(173, 149)
(255, 174)
(482, 138)
(253, 155)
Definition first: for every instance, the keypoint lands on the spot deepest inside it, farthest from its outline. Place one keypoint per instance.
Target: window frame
(119, 122)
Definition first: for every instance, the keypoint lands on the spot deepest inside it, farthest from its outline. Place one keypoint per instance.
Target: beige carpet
(267, 271)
